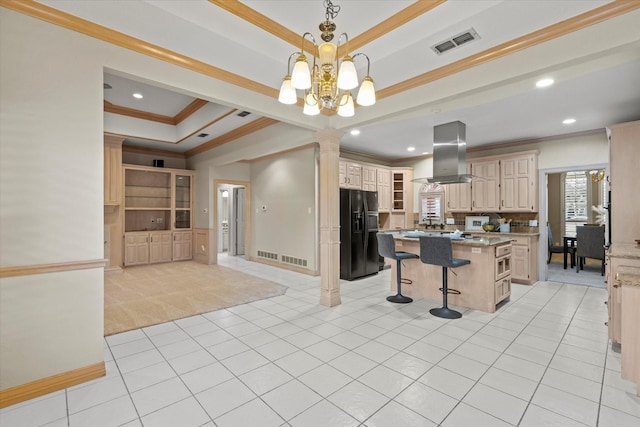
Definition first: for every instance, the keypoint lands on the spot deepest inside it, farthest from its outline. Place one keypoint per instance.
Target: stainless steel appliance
(358, 227)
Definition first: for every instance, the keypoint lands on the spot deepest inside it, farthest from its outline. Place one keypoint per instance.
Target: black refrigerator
(358, 227)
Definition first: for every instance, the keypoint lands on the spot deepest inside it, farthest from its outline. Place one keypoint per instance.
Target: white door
(237, 216)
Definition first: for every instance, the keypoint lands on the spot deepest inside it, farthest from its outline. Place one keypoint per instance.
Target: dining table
(569, 246)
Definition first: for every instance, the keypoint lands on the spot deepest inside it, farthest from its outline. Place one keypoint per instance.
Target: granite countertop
(624, 250)
(412, 236)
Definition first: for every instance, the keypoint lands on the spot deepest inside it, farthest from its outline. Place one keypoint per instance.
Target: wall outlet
(451, 221)
(159, 220)
(533, 223)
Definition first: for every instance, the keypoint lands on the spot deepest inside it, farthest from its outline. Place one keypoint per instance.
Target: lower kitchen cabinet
(182, 245)
(156, 246)
(524, 259)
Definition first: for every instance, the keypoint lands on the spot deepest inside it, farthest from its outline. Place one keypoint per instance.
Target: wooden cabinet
(112, 171)
(147, 248)
(384, 189)
(518, 188)
(401, 198)
(485, 187)
(369, 179)
(158, 210)
(524, 259)
(350, 175)
(136, 248)
(182, 245)
(458, 196)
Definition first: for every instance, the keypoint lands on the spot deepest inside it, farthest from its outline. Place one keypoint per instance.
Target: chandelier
(327, 84)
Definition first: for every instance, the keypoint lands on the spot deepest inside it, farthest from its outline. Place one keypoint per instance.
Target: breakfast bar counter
(483, 283)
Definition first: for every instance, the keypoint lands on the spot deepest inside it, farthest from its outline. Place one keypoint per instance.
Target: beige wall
(51, 193)
(286, 186)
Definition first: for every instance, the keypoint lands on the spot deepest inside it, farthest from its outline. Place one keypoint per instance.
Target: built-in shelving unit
(398, 191)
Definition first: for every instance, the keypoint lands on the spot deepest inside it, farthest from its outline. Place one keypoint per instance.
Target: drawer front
(520, 240)
(503, 250)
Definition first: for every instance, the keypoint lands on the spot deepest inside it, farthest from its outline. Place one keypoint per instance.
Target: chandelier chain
(332, 10)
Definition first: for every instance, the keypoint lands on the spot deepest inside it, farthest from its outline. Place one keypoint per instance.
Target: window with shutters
(576, 201)
(431, 204)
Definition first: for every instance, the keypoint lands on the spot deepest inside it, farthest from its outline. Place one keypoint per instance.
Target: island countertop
(474, 241)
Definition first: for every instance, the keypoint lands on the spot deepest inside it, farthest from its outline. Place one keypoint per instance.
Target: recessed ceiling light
(355, 132)
(426, 152)
(138, 95)
(411, 149)
(568, 121)
(544, 82)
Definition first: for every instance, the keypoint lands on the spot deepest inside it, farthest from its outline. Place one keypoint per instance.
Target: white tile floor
(542, 359)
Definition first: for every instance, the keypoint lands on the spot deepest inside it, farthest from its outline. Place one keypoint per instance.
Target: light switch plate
(451, 221)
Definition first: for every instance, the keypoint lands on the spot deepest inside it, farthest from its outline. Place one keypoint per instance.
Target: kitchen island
(482, 284)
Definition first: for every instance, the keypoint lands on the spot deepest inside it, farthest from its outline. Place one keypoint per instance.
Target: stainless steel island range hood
(450, 154)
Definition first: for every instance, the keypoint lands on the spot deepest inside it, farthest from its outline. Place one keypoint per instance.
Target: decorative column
(329, 200)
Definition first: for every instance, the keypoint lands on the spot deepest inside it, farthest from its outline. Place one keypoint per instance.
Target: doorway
(232, 217)
(572, 197)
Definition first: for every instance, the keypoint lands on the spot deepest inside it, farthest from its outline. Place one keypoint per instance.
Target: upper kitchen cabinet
(350, 175)
(384, 189)
(518, 183)
(369, 181)
(112, 170)
(485, 187)
(458, 196)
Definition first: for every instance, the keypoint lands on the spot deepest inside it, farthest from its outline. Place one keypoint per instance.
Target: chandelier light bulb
(327, 53)
(347, 76)
(346, 107)
(367, 93)
(311, 107)
(301, 76)
(287, 92)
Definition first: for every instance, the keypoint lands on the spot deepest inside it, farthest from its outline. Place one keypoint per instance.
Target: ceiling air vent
(455, 41)
(202, 135)
(243, 114)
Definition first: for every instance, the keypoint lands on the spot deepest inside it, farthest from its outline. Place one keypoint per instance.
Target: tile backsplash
(519, 221)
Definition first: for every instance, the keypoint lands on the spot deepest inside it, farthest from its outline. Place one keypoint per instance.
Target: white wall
(51, 193)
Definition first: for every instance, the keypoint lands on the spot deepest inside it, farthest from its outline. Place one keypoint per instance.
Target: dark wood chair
(554, 249)
(590, 244)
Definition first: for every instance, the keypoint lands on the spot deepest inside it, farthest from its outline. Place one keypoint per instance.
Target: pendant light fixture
(328, 81)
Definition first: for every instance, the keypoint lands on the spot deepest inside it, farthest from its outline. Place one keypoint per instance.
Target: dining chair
(553, 248)
(590, 244)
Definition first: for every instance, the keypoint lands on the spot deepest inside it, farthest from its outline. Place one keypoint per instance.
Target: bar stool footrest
(451, 291)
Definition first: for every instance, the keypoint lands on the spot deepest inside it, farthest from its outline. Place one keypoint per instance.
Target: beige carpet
(151, 294)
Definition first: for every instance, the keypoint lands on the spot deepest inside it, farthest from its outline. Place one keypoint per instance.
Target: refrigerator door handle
(365, 219)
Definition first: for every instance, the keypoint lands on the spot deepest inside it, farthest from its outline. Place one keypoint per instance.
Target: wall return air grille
(295, 261)
(268, 255)
(455, 41)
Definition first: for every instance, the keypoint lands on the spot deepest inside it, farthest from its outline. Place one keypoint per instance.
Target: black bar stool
(436, 250)
(387, 249)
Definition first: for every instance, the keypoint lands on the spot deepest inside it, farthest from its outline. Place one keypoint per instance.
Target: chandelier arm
(368, 60)
(289, 63)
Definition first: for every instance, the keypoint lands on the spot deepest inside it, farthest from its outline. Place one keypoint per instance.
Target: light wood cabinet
(350, 175)
(158, 210)
(113, 171)
(384, 190)
(401, 198)
(458, 196)
(518, 184)
(136, 248)
(524, 259)
(369, 179)
(182, 245)
(485, 188)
